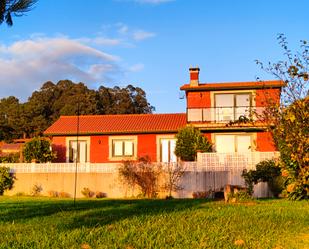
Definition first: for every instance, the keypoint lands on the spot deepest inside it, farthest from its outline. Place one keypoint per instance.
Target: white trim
(158, 138)
(124, 137)
(74, 138)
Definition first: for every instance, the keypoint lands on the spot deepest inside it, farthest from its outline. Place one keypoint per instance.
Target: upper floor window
(231, 106)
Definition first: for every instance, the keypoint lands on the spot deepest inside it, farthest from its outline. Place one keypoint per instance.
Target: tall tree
(8, 8)
(289, 121)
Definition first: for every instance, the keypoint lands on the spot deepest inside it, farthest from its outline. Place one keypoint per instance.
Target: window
(122, 148)
(230, 106)
(167, 149)
(78, 151)
(233, 143)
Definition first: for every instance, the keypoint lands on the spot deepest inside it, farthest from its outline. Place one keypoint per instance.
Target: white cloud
(136, 67)
(26, 64)
(139, 35)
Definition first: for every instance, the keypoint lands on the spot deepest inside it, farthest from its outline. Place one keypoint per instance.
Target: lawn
(56, 223)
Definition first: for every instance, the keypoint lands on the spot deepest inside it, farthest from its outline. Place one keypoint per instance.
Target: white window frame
(123, 139)
(236, 134)
(68, 140)
(159, 148)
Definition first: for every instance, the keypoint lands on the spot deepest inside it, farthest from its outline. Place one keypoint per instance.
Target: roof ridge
(122, 115)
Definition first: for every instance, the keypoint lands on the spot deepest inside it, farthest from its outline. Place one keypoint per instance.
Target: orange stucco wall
(198, 99)
(264, 95)
(58, 145)
(99, 147)
(264, 142)
(147, 146)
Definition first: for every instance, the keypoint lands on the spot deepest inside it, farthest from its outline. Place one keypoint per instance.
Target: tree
(173, 175)
(38, 149)
(8, 8)
(288, 121)
(45, 106)
(189, 141)
(141, 173)
(6, 179)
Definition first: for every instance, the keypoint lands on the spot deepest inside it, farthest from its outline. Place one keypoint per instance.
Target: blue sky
(147, 43)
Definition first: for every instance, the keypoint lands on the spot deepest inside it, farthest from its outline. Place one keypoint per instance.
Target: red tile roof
(234, 85)
(115, 124)
(10, 147)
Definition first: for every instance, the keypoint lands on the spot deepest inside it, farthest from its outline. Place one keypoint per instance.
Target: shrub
(143, 174)
(20, 194)
(189, 141)
(36, 190)
(6, 179)
(86, 192)
(100, 195)
(52, 193)
(64, 195)
(266, 171)
(10, 158)
(239, 196)
(173, 174)
(203, 194)
(38, 149)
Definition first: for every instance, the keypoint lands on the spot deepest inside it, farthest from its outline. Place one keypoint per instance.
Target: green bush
(189, 142)
(38, 149)
(10, 158)
(6, 179)
(266, 171)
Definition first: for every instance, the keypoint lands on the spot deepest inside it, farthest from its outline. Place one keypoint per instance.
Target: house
(114, 138)
(224, 112)
(228, 113)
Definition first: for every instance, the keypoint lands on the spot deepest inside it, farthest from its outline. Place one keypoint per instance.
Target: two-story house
(229, 114)
(224, 112)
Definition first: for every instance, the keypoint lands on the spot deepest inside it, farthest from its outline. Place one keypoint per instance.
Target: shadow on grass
(89, 213)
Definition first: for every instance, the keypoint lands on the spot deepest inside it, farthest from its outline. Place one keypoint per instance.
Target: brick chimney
(194, 76)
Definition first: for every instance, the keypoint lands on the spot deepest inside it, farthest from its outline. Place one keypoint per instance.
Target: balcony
(223, 115)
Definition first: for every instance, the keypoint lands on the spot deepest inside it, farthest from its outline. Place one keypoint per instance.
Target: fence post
(33, 167)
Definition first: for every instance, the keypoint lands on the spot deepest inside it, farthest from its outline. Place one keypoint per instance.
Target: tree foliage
(266, 171)
(44, 106)
(6, 179)
(9, 8)
(38, 149)
(289, 120)
(189, 142)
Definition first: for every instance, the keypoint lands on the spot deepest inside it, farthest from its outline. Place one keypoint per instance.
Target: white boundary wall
(211, 171)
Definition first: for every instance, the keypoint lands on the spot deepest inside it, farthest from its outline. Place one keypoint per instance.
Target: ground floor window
(78, 151)
(226, 143)
(123, 148)
(167, 150)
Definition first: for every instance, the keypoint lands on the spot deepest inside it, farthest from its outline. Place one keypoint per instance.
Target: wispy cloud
(136, 67)
(26, 64)
(140, 35)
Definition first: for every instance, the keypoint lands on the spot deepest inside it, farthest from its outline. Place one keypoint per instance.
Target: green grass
(56, 223)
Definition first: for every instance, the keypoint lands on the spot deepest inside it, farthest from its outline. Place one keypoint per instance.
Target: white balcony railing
(223, 114)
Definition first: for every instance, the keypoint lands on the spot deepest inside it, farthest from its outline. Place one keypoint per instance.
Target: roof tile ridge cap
(237, 82)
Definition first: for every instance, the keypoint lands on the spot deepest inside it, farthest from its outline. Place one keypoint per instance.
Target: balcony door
(231, 106)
